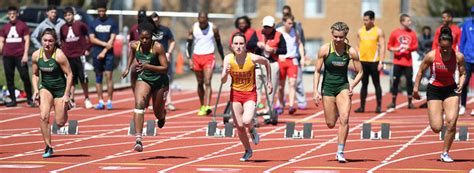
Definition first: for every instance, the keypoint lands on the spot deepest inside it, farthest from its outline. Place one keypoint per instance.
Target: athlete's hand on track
(125, 73)
(416, 95)
(317, 99)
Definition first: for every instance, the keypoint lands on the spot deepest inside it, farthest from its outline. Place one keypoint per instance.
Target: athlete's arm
(35, 75)
(264, 61)
(226, 69)
(2, 40)
(301, 50)
(427, 61)
(172, 43)
(189, 44)
(357, 68)
(281, 50)
(64, 64)
(160, 54)
(96, 41)
(381, 48)
(24, 59)
(414, 43)
(130, 59)
(217, 38)
(462, 71)
(391, 43)
(322, 54)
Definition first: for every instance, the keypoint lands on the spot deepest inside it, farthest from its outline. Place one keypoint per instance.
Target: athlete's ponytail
(445, 34)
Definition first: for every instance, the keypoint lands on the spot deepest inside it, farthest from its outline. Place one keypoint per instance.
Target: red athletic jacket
(407, 37)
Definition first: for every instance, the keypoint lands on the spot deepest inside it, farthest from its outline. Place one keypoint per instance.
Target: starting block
(71, 129)
(227, 131)
(367, 132)
(148, 130)
(306, 133)
(461, 135)
(227, 113)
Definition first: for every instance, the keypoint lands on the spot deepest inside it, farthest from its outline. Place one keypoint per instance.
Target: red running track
(181, 146)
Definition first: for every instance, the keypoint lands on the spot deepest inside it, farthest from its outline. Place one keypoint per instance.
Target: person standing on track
(200, 42)
(269, 43)
(102, 32)
(402, 42)
(243, 25)
(300, 92)
(336, 89)
(289, 62)
(14, 45)
(152, 79)
(372, 53)
(52, 73)
(74, 39)
(165, 37)
(466, 46)
(241, 66)
(443, 92)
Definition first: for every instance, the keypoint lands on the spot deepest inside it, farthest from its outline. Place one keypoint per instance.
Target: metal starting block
(71, 129)
(461, 135)
(306, 133)
(227, 131)
(148, 130)
(367, 132)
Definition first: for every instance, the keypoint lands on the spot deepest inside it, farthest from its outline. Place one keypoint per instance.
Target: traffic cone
(179, 64)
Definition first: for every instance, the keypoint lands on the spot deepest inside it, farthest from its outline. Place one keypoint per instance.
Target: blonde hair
(340, 26)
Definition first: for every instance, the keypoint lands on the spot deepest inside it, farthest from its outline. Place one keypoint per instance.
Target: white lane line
(295, 159)
(239, 143)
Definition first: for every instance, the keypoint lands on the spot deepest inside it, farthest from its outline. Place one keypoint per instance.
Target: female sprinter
(241, 67)
(152, 69)
(336, 89)
(442, 91)
(51, 63)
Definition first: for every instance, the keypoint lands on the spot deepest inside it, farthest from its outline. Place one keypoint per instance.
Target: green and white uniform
(51, 74)
(154, 79)
(335, 71)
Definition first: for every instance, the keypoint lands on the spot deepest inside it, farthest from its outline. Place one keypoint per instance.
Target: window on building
(314, 8)
(246, 7)
(374, 5)
(279, 7)
(312, 48)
